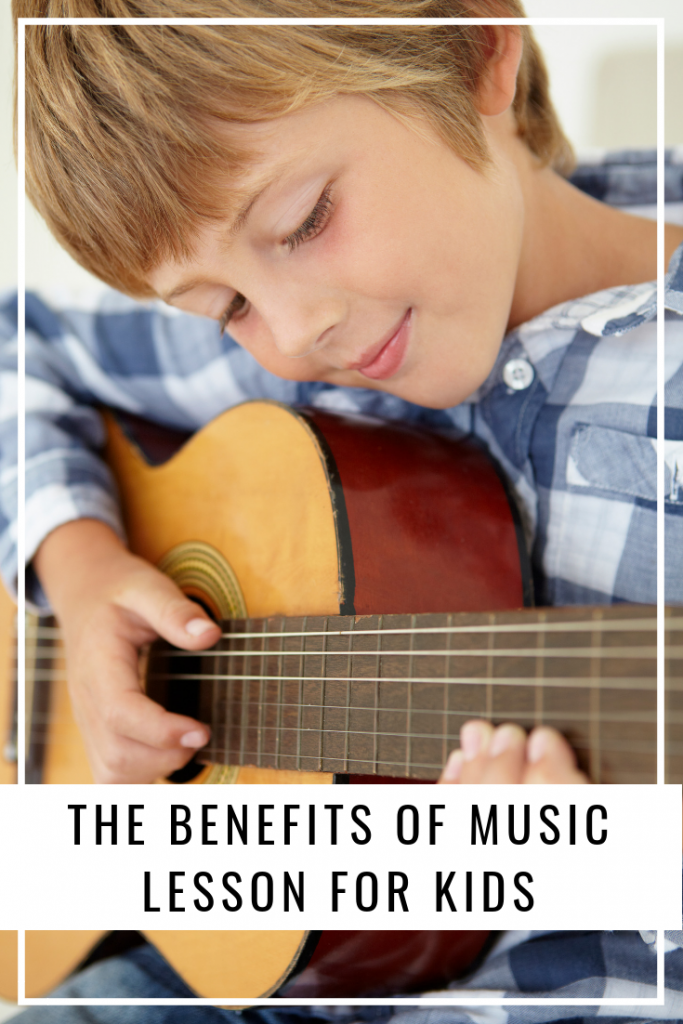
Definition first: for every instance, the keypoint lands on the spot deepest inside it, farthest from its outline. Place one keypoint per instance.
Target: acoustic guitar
(294, 529)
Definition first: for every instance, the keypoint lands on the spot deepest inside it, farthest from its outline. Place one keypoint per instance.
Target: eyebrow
(241, 218)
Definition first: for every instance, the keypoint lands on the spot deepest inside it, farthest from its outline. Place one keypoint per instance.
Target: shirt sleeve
(85, 351)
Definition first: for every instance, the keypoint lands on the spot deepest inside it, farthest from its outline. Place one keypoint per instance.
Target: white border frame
(659, 23)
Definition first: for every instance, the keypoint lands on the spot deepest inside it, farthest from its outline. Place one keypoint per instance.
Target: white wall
(602, 84)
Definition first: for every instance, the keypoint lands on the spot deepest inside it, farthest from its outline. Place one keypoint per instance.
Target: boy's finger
(475, 738)
(488, 755)
(110, 699)
(118, 760)
(158, 601)
(132, 715)
(550, 759)
(505, 755)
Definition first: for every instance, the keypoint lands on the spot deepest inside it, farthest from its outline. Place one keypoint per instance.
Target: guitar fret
(347, 715)
(278, 715)
(594, 698)
(261, 709)
(489, 667)
(244, 706)
(301, 695)
(378, 669)
(445, 710)
(215, 696)
(409, 727)
(322, 697)
(540, 673)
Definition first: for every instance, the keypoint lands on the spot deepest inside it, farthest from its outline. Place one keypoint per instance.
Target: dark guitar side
(430, 525)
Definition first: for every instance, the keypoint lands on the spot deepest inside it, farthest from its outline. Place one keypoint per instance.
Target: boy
(361, 209)
(317, 285)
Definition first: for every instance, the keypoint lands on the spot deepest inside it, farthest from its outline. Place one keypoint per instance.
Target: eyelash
(237, 304)
(314, 223)
(311, 228)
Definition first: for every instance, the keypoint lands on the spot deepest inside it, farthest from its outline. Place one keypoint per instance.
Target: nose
(300, 318)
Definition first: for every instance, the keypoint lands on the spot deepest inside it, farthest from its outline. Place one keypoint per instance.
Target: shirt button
(518, 374)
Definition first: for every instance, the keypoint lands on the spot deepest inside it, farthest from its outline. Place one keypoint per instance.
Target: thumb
(163, 606)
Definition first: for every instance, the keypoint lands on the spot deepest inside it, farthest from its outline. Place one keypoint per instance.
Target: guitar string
(640, 716)
(589, 653)
(613, 718)
(608, 682)
(570, 626)
(624, 715)
(634, 746)
(644, 683)
(228, 756)
(360, 761)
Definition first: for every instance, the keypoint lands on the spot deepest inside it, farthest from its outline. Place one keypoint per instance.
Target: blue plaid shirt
(568, 411)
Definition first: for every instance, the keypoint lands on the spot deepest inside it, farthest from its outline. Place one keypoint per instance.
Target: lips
(384, 360)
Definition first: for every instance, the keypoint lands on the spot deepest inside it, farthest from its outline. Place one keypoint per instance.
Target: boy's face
(373, 256)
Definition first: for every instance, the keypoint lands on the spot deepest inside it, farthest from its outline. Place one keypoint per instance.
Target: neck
(573, 245)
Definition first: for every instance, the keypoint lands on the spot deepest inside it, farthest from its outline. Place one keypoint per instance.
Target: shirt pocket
(612, 461)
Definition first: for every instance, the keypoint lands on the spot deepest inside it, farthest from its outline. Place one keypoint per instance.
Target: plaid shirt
(568, 411)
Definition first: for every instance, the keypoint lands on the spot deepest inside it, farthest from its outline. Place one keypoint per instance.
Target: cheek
(267, 355)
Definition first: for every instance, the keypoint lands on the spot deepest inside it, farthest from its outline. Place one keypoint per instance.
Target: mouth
(384, 360)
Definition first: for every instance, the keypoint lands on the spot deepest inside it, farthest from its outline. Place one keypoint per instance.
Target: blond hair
(123, 159)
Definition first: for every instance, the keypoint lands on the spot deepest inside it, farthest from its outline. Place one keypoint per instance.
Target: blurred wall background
(603, 85)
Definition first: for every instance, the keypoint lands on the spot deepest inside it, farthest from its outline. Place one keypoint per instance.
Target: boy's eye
(314, 223)
(312, 226)
(236, 307)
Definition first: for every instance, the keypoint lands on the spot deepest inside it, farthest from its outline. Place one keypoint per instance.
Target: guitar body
(334, 516)
(269, 511)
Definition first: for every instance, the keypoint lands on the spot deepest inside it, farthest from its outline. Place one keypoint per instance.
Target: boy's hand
(110, 603)
(506, 754)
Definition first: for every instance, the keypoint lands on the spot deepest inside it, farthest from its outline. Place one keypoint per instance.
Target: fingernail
(195, 627)
(453, 768)
(503, 738)
(471, 740)
(193, 739)
(537, 747)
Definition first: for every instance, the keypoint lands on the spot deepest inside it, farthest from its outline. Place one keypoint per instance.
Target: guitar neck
(386, 695)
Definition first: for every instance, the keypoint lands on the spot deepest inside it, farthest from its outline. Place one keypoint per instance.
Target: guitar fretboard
(386, 695)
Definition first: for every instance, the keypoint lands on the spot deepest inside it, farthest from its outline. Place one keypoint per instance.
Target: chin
(431, 398)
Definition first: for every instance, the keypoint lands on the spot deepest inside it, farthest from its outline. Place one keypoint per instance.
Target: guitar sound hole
(178, 694)
(182, 698)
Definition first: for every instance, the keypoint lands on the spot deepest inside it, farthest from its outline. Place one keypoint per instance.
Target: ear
(496, 88)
